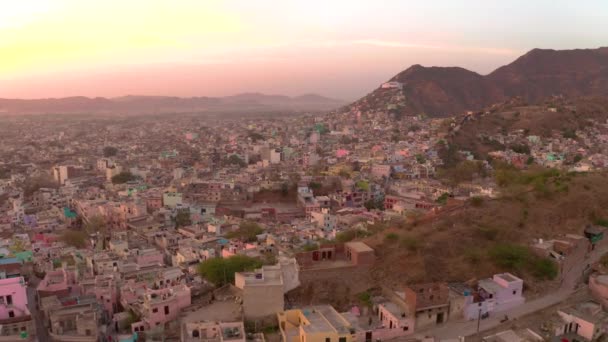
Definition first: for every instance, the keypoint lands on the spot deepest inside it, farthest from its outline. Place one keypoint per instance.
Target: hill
(552, 118)
(248, 102)
(444, 91)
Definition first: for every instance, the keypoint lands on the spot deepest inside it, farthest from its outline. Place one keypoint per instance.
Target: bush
(351, 234)
(123, 177)
(410, 243)
(476, 201)
(391, 237)
(365, 298)
(543, 269)
(519, 258)
(488, 233)
(509, 256)
(247, 232)
(109, 151)
(221, 271)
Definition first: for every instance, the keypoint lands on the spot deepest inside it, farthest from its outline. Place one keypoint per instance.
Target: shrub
(476, 201)
(410, 243)
(543, 268)
(391, 237)
(509, 256)
(351, 234)
(247, 232)
(488, 233)
(221, 271)
(123, 177)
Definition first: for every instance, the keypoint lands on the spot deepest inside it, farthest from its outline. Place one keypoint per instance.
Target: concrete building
(264, 288)
(213, 332)
(320, 323)
(15, 319)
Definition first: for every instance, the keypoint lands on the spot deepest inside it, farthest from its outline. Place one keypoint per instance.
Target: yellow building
(320, 323)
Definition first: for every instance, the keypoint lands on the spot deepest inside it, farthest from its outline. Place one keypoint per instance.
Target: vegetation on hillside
(220, 271)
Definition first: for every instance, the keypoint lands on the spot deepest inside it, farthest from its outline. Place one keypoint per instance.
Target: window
(11, 314)
(195, 333)
(88, 332)
(406, 328)
(327, 339)
(9, 300)
(514, 292)
(342, 339)
(155, 310)
(166, 310)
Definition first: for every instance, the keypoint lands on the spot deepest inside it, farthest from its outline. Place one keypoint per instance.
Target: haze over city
(340, 49)
(303, 171)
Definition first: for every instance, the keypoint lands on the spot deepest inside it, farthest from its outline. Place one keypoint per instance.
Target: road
(571, 281)
(42, 334)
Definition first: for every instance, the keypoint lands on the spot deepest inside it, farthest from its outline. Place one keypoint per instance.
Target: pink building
(598, 285)
(15, 317)
(395, 321)
(161, 306)
(149, 257)
(340, 153)
(501, 293)
(585, 319)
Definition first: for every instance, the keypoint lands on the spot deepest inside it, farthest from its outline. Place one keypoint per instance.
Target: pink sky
(338, 48)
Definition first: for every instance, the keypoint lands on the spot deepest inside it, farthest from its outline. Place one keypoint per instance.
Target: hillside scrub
(220, 271)
(517, 258)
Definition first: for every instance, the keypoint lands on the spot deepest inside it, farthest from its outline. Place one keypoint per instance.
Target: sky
(337, 48)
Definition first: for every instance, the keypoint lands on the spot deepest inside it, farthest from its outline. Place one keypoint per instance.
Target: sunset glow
(183, 46)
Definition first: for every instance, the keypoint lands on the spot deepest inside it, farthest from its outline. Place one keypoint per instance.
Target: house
(395, 319)
(213, 332)
(598, 286)
(263, 289)
(586, 320)
(76, 319)
(354, 253)
(15, 317)
(160, 306)
(321, 323)
(429, 303)
(500, 293)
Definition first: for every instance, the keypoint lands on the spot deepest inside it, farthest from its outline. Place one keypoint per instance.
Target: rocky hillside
(444, 91)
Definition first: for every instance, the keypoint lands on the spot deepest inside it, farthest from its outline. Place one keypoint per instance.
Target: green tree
(247, 232)
(123, 177)
(236, 160)
(182, 219)
(220, 271)
(109, 151)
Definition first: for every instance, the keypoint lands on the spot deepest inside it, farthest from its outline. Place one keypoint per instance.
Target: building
(429, 303)
(320, 323)
(500, 293)
(161, 306)
(15, 318)
(264, 289)
(587, 320)
(213, 332)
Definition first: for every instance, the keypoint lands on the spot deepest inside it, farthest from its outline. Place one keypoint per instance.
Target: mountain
(443, 91)
(248, 102)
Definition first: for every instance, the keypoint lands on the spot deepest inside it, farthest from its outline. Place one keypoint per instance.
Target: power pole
(478, 320)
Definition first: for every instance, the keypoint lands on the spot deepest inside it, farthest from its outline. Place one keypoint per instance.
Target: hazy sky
(338, 48)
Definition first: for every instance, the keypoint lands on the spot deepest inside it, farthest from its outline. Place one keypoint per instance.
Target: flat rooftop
(359, 246)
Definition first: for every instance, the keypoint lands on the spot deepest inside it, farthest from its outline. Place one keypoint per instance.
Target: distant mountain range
(247, 102)
(442, 91)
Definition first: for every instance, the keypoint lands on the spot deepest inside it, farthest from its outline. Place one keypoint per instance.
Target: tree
(247, 232)
(236, 160)
(182, 218)
(109, 151)
(420, 159)
(74, 238)
(123, 177)
(220, 271)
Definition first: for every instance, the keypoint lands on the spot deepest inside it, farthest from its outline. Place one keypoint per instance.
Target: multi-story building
(15, 319)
